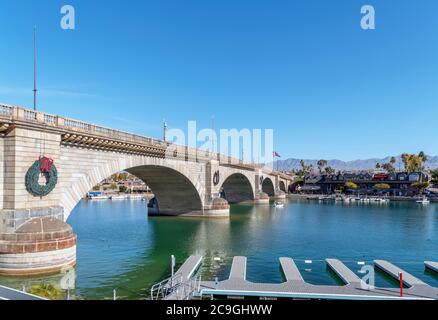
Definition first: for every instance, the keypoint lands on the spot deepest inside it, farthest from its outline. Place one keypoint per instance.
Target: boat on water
(98, 198)
(135, 197)
(118, 197)
(423, 201)
(278, 205)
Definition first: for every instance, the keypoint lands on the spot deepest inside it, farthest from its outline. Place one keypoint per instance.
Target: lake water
(120, 247)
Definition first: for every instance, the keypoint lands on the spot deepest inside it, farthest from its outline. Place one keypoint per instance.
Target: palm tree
(423, 156)
(321, 164)
(405, 158)
(330, 170)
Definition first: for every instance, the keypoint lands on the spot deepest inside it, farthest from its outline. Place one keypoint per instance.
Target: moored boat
(423, 201)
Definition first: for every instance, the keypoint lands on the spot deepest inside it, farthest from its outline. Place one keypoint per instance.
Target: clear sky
(302, 67)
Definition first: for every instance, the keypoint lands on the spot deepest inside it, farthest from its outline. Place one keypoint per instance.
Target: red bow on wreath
(46, 164)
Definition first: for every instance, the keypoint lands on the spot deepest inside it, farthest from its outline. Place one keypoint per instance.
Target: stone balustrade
(80, 132)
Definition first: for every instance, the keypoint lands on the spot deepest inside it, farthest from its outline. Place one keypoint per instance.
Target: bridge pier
(216, 208)
(262, 198)
(34, 239)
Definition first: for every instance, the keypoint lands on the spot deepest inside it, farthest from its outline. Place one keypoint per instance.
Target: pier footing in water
(35, 242)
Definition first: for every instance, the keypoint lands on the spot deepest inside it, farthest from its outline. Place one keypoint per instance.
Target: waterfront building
(400, 182)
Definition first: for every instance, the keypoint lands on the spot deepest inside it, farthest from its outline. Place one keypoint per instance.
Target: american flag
(275, 154)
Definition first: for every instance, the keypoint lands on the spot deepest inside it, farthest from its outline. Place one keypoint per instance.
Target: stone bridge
(34, 237)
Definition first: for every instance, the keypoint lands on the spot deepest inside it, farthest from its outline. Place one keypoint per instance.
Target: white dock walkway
(189, 267)
(343, 272)
(395, 271)
(431, 265)
(238, 268)
(290, 270)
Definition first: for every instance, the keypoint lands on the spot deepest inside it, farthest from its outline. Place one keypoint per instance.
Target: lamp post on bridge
(164, 130)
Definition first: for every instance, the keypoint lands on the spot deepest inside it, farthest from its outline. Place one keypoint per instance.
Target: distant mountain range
(368, 164)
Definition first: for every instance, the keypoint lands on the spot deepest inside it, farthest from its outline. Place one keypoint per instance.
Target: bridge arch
(268, 187)
(237, 188)
(282, 186)
(175, 193)
(178, 187)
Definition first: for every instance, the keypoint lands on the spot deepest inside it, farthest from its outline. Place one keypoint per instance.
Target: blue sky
(304, 68)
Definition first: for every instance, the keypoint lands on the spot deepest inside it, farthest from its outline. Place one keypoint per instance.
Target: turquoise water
(120, 247)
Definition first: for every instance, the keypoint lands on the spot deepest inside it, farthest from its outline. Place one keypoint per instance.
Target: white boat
(135, 197)
(423, 201)
(118, 197)
(98, 198)
(278, 205)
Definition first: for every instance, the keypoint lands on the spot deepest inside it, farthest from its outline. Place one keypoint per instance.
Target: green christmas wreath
(45, 167)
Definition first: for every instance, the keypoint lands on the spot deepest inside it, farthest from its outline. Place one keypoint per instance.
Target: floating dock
(184, 285)
(236, 286)
(431, 265)
(12, 294)
(190, 266)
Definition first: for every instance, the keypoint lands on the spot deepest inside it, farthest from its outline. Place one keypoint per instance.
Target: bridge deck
(394, 271)
(346, 275)
(431, 265)
(238, 268)
(290, 270)
(12, 294)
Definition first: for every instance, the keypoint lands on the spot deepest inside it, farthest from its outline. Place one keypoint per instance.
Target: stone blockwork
(180, 186)
(173, 182)
(2, 168)
(40, 245)
(12, 219)
(22, 147)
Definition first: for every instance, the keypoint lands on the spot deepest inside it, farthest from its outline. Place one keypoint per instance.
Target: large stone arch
(82, 168)
(237, 188)
(268, 187)
(282, 186)
(174, 192)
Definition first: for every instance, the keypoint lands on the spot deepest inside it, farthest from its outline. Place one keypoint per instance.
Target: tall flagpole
(34, 69)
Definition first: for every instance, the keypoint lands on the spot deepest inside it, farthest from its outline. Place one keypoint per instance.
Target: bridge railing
(6, 111)
(20, 114)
